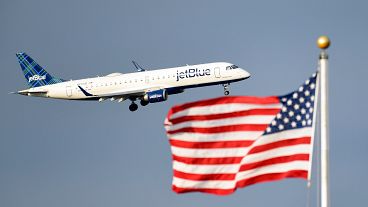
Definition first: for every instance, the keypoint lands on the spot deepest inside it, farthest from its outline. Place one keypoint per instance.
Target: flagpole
(323, 43)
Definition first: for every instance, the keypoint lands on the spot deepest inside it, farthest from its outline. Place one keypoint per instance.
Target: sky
(69, 153)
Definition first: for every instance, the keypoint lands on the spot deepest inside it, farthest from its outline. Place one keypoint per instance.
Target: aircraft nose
(244, 73)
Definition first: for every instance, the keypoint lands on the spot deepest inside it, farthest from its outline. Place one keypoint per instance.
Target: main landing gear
(133, 106)
(226, 88)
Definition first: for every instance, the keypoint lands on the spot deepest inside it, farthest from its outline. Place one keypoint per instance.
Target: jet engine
(155, 96)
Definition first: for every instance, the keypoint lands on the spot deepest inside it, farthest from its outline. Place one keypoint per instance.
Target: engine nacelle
(156, 96)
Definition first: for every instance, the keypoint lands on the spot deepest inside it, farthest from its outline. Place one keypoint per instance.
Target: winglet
(138, 67)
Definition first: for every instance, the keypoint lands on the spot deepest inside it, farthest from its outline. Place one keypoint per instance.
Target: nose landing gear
(226, 89)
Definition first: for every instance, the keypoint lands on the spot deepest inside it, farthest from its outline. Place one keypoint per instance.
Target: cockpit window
(231, 67)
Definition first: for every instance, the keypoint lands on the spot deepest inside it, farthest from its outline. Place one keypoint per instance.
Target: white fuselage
(177, 78)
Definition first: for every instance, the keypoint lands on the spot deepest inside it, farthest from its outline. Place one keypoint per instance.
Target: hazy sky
(69, 153)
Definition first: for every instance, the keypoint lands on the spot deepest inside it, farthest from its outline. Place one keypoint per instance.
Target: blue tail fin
(34, 73)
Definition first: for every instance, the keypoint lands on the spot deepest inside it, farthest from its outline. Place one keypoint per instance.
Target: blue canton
(297, 108)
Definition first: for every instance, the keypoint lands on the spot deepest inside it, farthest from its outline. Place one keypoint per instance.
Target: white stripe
(256, 119)
(276, 168)
(205, 169)
(226, 136)
(183, 183)
(222, 108)
(284, 135)
(209, 153)
(278, 152)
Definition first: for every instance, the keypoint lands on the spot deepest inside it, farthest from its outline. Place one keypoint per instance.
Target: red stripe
(272, 161)
(225, 115)
(208, 161)
(221, 129)
(204, 177)
(210, 145)
(203, 190)
(246, 182)
(227, 100)
(273, 177)
(283, 143)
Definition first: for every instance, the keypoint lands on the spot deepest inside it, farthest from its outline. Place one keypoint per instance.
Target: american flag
(221, 144)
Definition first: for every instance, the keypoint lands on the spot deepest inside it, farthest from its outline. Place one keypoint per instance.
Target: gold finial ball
(323, 42)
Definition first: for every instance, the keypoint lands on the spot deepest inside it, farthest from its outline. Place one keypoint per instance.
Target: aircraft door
(69, 91)
(217, 72)
(146, 79)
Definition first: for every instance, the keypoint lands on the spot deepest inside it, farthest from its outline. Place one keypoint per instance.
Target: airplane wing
(125, 94)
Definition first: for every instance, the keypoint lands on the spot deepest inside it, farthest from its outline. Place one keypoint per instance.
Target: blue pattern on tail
(36, 76)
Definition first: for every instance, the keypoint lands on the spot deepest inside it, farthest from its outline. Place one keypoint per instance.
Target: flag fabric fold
(221, 144)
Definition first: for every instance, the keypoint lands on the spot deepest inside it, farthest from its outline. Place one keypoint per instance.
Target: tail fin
(34, 73)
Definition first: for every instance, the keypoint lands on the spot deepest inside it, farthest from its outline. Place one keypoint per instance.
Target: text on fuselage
(191, 73)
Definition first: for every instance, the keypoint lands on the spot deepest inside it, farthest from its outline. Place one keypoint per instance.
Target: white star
(293, 124)
(286, 120)
(307, 82)
(310, 110)
(278, 115)
(308, 104)
(304, 123)
(312, 98)
(289, 102)
(301, 88)
(307, 116)
(281, 127)
(309, 122)
(296, 106)
(312, 86)
(298, 117)
(303, 111)
(268, 129)
(295, 95)
(273, 123)
(284, 109)
(283, 99)
(306, 93)
(291, 113)
(314, 75)
(301, 100)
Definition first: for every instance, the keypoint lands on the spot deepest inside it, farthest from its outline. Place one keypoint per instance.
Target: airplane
(147, 86)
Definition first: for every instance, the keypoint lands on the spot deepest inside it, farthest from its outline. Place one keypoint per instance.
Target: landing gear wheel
(144, 103)
(133, 107)
(226, 89)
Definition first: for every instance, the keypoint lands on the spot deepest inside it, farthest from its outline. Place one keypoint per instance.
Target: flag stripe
(277, 152)
(252, 119)
(208, 153)
(228, 100)
(203, 190)
(222, 108)
(252, 112)
(277, 144)
(274, 160)
(206, 169)
(231, 128)
(210, 145)
(223, 136)
(191, 176)
(276, 168)
(272, 177)
(208, 161)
